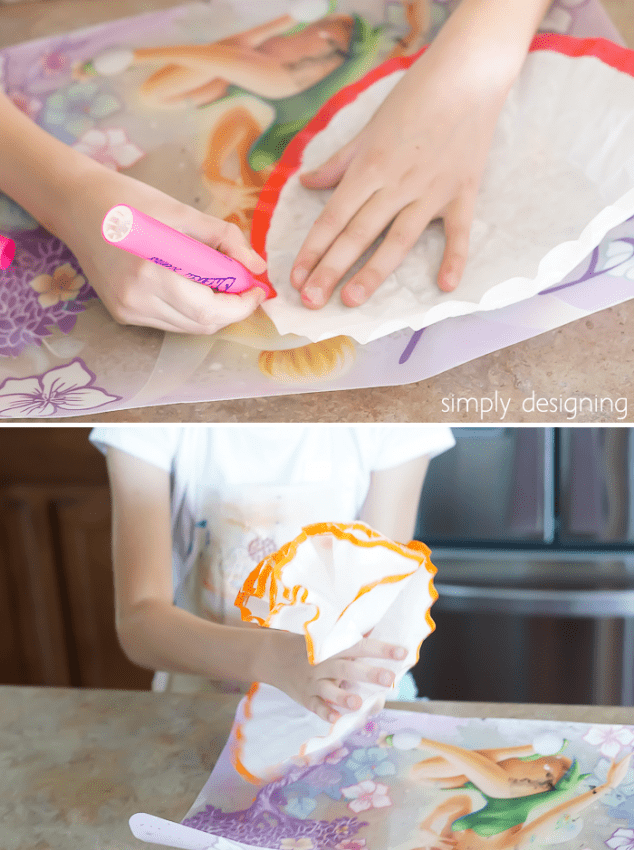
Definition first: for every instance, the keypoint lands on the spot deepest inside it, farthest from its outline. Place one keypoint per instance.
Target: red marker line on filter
(7, 251)
(146, 237)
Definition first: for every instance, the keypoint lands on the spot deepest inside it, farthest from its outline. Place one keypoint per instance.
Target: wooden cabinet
(56, 589)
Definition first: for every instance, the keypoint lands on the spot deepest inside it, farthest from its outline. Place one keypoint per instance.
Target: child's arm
(391, 505)
(69, 194)
(420, 157)
(156, 634)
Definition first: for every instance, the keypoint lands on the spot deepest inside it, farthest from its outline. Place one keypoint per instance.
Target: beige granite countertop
(75, 764)
(591, 358)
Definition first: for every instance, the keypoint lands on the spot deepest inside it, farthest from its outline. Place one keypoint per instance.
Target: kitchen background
(532, 530)
(56, 594)
(532, 533)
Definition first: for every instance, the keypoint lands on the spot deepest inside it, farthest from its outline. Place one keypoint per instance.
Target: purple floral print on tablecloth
(622, 839)
(367, 795)
(34, 73)
(23, 318)
(266, 823)
(63, 389)
(74, 110)
(111, 147)
(610, 740)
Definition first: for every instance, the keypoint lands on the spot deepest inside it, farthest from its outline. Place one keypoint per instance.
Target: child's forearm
(496, 34)
(153, 632)
(36, 170)
(391, 505)
(160, 636)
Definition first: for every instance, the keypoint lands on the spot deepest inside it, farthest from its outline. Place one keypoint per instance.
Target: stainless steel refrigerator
(532, 531)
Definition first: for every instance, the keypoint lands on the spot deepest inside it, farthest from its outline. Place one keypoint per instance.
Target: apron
(243, 525)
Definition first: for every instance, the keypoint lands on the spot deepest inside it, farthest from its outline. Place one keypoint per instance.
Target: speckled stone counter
(590, 358)
(75, 764)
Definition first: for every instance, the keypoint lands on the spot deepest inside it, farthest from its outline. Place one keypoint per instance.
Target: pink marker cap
(7, 251)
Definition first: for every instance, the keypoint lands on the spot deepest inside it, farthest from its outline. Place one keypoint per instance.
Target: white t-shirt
(239, 492)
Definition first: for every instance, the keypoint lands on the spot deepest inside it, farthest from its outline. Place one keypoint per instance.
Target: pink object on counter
(146, 237)
(7, 251)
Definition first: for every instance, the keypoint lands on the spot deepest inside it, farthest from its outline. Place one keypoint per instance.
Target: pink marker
(7, 251)
(146, 237)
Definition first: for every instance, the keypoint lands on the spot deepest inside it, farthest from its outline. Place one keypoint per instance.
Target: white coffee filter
(335, 583)
(560, 175)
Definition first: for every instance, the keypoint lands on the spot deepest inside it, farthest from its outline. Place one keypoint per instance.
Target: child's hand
(136, 291)
(323, 687)
(420, 157)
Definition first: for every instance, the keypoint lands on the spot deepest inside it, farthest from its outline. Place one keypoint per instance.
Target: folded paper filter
(560, 175)
(334, 583)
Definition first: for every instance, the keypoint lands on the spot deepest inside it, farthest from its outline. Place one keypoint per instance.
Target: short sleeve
(385, 446)
(154, 444)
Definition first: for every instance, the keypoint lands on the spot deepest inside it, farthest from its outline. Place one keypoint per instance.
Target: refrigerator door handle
(536, 603)
(596, 499)
(531, 509)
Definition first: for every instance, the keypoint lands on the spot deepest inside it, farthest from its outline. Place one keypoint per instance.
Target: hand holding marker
(148, 238)
(7, 251)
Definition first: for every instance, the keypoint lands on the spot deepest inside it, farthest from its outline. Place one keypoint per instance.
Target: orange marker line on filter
(152, 240)
(7, 251)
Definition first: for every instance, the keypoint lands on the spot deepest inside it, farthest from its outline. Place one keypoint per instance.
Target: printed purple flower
(67, 389)
(370, 762)
(367, 795)
(610, 739)
(622, 839)
(71, 112)
(24, 320)
(62, 285)
(110, 147)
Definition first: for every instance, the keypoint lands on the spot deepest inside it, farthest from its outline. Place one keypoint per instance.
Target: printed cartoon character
(260, 87)
(292, 73)
(513, 781)
(293, 67)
